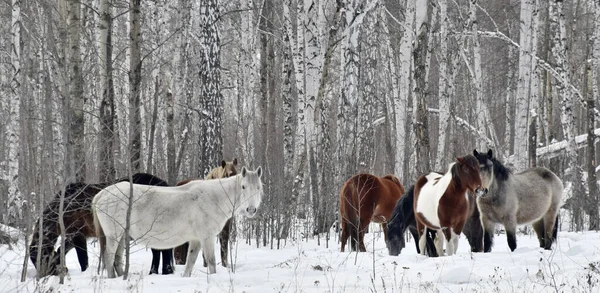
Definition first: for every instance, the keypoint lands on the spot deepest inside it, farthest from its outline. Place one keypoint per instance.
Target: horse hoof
(168, 270)
(153, 271)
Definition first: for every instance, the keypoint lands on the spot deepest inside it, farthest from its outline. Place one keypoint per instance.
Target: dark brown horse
(442, 203)
(79, 223)
(365, 198)
(226, 169)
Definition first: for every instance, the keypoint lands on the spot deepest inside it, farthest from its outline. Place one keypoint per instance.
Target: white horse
(165, 217)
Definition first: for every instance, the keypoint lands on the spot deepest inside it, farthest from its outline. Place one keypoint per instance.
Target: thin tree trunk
(404, 84)
(150, 164)
(14, 121)
(171, 149)
(444, 97)
(523, 85)
(76, 127)
(107, 105)
(421, 68)
(594, 202)
(135, 80)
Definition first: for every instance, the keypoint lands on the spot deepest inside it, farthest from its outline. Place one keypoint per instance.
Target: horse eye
(243, 187)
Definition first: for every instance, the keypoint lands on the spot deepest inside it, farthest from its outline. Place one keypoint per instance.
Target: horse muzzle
(250, 212)
(480, 191)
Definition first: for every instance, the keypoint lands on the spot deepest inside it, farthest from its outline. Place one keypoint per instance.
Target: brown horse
(365, 198)
(442, 203)
(79, 223)
(227, 169)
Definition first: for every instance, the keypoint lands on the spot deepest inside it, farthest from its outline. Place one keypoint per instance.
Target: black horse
(79, 224)
(403, 217)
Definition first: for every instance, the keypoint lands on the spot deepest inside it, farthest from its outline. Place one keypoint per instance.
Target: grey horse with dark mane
(530, 197)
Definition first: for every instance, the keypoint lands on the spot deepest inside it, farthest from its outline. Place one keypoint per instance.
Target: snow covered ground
(573, 266)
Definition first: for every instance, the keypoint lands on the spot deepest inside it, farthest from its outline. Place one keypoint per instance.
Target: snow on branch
(474, 130)
(554, 150)
(500, 35)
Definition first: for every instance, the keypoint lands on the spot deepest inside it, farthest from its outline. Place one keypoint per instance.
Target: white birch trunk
(404, 84)
(567, 119)
(523, 85)
(444, 97)
(14, 125)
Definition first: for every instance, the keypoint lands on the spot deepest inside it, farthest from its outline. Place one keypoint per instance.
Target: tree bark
(77, 123)
(107, 105)
(14, 121)
(594, 202)
(420, 92)
(523, 84)
(404, 83)
(135, 80)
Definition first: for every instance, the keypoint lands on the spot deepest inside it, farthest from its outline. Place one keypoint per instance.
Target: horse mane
(500, 171)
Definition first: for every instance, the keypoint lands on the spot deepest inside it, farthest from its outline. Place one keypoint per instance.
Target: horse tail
(351, 207)
(100, 235)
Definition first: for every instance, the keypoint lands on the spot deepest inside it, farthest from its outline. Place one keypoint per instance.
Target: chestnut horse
(442, 203)
(227, 169)
(365, 198)
(78, 219)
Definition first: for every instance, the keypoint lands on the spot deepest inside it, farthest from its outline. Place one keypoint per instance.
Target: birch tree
(560, 53)
(404, 83)
(135, 80)
(523, 84)
(76, 128)
(13, 127)
(421, 73)
(107, 104)
(211, 100)
(444, 97)
(595, 72)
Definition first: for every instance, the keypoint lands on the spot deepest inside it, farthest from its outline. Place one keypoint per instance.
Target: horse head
(229, 168)
(469, 174)
(486, 167)
(252, 191)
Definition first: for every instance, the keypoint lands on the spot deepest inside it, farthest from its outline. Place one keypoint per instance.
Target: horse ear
(244, 171)
(259, 171)
(490, 154)
(475, 153)
(223, 163)
(459, 159)
(235, 161)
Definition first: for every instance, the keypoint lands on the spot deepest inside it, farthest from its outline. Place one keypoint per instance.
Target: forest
(314, 91)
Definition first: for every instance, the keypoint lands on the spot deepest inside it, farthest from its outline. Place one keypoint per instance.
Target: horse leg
(488, 234)
(155, 261)
(208, 250)
(119, 256)
(538, 227)
(550, 227)
(109, 256)
(511, 228)
(167, 256)
(415, 234)
(224, 241)
(361, 237)
(80, 244)
(193, 250)
(180, 253)
(345, 235)
(422, 231)
(384, 227)
(439, 242)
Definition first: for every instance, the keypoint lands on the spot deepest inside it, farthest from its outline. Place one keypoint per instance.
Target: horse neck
(456, 186)
(228, 187)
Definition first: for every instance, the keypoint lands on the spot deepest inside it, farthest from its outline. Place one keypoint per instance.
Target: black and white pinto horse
(532, 196)
(165, 217)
